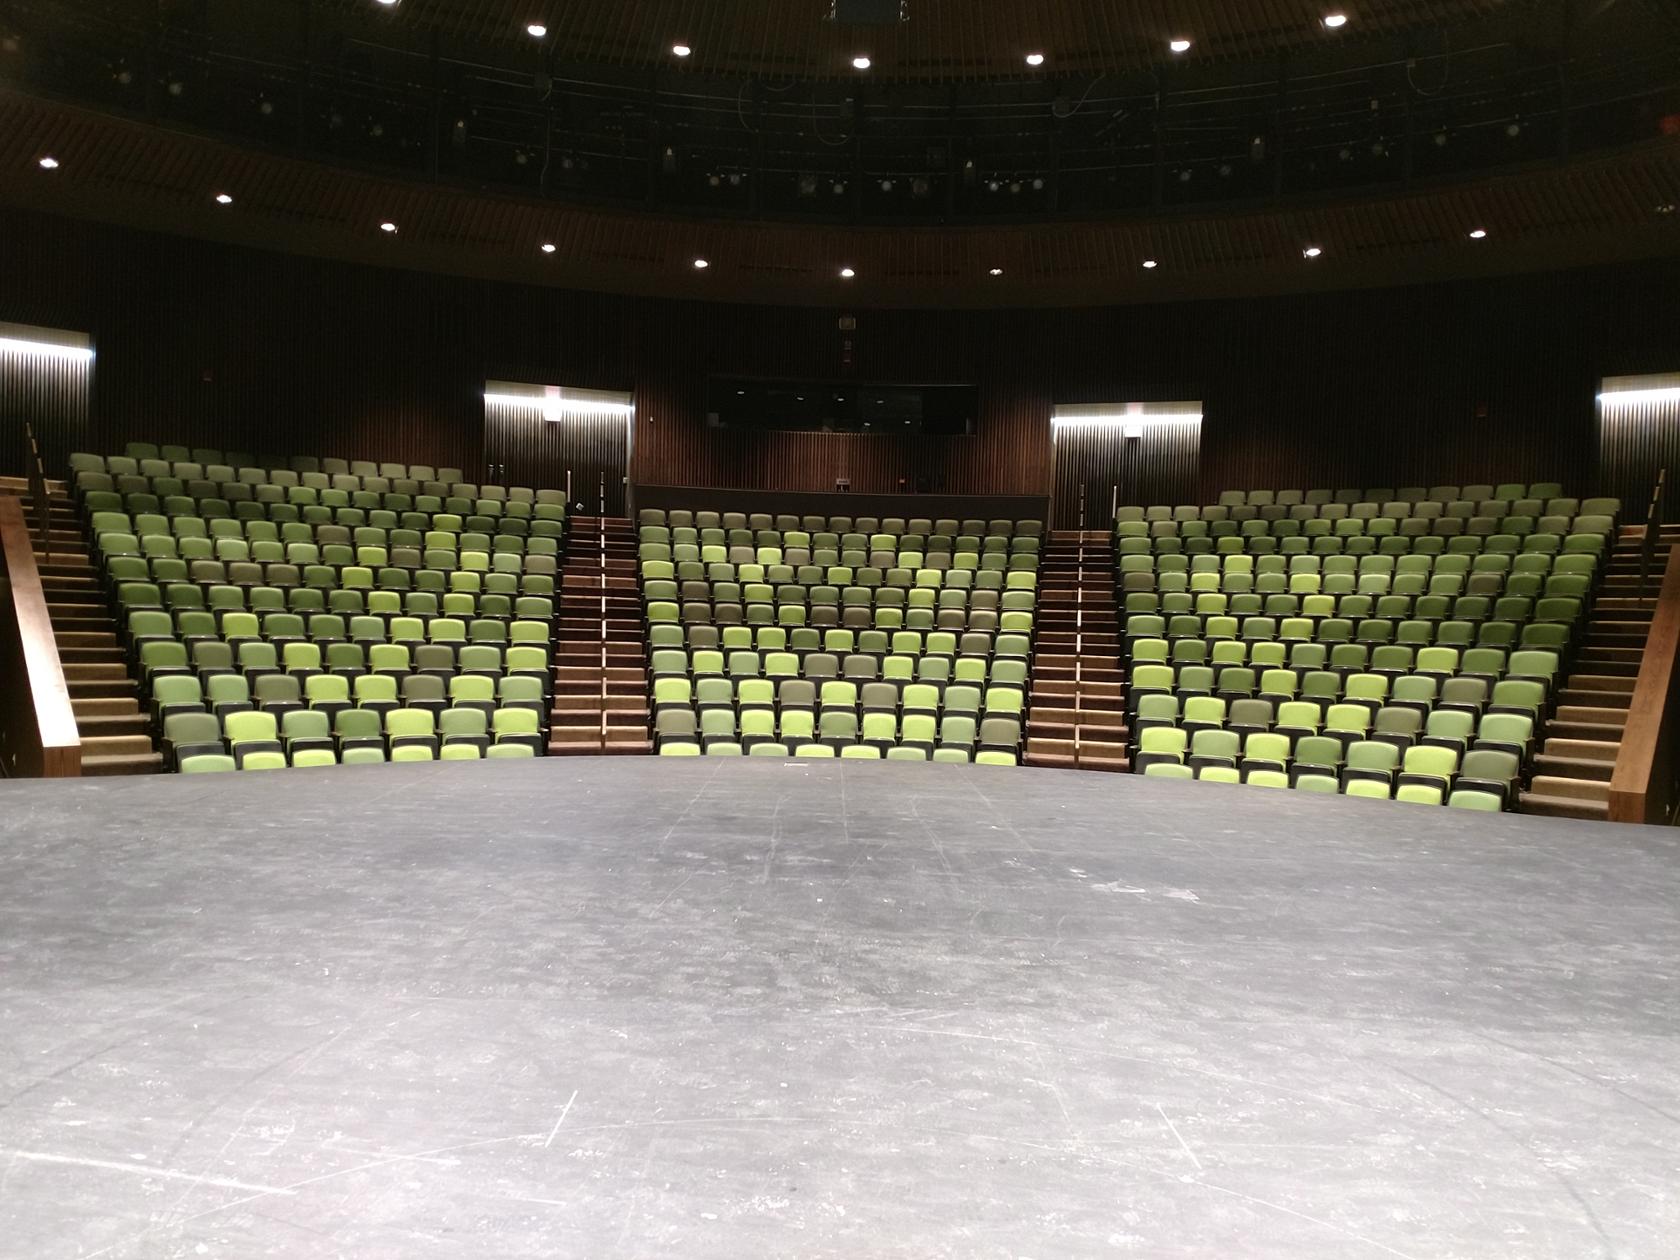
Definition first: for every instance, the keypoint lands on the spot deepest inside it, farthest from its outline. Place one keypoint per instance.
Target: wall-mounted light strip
(52, 343)
(1128, 417)
(556, 403)
(1638, 397)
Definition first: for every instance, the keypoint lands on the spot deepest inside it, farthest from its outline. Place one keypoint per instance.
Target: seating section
(823, 637)
(1394, 643)
(308, 612)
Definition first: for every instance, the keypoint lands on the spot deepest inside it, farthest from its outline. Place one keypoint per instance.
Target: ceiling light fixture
(49, 163)
(861, 62)
(1035, 59)
(1478, 234)
(389, 4)
(680, 50)
(846, 273)
(996, 271)
(223, 199)
(1180, 45)
(536, 30)
(1311, 251)
(700, 264)
(548, 247)
(1149, 264)
(1335, 21)
(387, 226)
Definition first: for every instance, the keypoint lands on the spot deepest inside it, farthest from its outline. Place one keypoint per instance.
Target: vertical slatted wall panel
(1635, 440)
(525, 449)
(1161, 465)
(50, 392)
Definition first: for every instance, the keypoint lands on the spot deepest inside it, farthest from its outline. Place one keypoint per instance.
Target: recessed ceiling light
(1180, 45)
(1478, 234)
(846, 273)
(700, 264)
(995, 271)
(1035, 59)
(222, 199)
(1311, 251)
(49, 163)
(1149, 264)
(387, 226)
(388, 3)
(548, 247)
(1335, 21)
(680, 50)
(861, 62)
(536, 30)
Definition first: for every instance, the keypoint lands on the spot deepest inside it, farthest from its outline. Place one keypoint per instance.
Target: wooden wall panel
(1635, 441)
(49, 391)
(1096, 461)
(582, 451)
(223, 345)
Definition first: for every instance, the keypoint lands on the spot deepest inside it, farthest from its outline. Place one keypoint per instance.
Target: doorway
(553, 438)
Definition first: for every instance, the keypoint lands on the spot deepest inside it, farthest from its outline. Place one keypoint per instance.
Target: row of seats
(1410, 494)
(218, 501)
(136, 452)
(1370, 789)
(784, 523)
(341, 731)
(1413, 671)
(306, 758)
(1132, 520)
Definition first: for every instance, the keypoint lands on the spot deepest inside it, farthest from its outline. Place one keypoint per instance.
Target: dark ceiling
(767, 119)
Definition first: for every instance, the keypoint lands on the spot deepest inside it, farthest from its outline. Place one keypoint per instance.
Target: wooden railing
(1645, 787)
(40, 503)
(1653, 531)
(37, 725)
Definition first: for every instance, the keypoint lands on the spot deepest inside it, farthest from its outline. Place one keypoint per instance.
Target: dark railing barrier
(41, 505)
(37, 725)
(1644, 786)
(1653, 531)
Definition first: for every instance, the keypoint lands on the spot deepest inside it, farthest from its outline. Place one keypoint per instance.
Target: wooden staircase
(1573, 768)
(600, 656)
(111, 722)
(1076, 701)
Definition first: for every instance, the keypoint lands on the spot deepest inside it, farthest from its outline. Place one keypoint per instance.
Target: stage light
(49, 163)
(861, 62)
(886, 185)
(1180, 45)
(1513, 129)
(176, 87)
(222, 199)
(387, 226)
(1311, 251)
(846, 273)
(1440, 139)
(1149, 264)
(548, 247)
(700, 264)
(1335, 21)
(992, 185)
(995, 271)
(1478, 234)
(839, 187)
(536, 30)
(1038, 185)
(1035, 59)
(680, 50)
(807, 185)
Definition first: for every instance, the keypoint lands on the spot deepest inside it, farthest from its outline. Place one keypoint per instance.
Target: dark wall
(1481, 380)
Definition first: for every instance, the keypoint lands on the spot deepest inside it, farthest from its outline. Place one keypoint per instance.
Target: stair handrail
(38, 737)
(1645, 784)
(1653, 530)
(42, 506)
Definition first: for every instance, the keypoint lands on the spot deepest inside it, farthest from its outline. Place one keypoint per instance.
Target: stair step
(127, 745)
(1562, 807)
(1551, 765)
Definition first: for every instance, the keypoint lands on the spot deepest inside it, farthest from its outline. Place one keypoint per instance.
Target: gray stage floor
(739, 1009)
